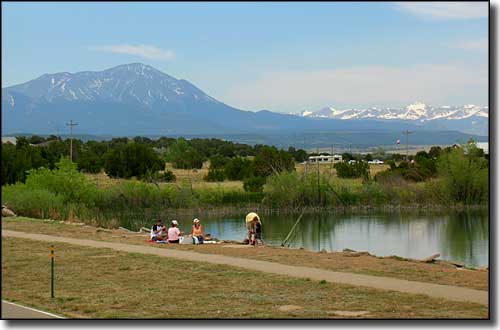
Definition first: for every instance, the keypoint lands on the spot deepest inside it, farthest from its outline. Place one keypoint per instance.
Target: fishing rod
(293, 228)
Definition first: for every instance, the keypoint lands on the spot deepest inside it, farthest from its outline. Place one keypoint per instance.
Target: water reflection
(461, 237)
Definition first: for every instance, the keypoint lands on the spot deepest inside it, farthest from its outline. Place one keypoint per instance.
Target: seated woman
(197, 232)
(158, 231)
(174, 232)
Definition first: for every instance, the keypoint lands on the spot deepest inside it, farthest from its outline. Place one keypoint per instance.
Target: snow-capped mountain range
(418, 111)
(137, 99)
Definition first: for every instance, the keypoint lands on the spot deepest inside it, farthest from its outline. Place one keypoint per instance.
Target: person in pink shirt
(174, 232)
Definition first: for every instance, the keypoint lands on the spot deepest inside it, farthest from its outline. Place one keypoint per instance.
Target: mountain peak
(134, 82)
(132, 67)
(416, 106)
(139, 69)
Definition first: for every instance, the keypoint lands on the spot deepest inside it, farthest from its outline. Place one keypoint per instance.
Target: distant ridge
(137, 99)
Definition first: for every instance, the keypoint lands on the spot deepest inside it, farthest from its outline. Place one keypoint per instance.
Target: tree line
(144, 158)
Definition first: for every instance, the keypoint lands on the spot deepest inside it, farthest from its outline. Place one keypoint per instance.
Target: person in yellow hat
(254, 228)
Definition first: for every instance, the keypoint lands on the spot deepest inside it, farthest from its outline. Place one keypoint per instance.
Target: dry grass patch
(101, 283)
(329, 169)
(195, 175)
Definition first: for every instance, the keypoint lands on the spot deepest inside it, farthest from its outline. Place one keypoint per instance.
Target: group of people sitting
(160, 233)
(173, 234)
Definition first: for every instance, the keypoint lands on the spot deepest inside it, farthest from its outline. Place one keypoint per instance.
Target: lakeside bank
(363, 263)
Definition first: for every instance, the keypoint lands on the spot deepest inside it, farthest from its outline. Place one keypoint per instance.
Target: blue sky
(284, 57)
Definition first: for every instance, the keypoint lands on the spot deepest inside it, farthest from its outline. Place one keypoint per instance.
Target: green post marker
(52, 271)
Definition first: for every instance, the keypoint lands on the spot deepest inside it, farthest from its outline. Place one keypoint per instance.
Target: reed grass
(65, 193)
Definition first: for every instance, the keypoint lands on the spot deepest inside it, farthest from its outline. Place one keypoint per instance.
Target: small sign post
(52, 271)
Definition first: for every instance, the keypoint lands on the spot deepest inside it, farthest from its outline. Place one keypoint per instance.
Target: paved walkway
(377, 282)
(14, 311)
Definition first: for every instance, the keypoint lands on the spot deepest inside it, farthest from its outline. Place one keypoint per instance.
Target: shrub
(238, 168)
(182, 155)
(32, 202)
(132, 160)
(270, 160)
(156, 177)
(357, 170)
(422, 170)
(464, 175)
(214, 175)
(254, 184)
(65, 180)
(167, 176)
(283, 190)
(218, 161)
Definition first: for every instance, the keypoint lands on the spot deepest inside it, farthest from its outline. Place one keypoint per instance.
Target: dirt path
(378, 282)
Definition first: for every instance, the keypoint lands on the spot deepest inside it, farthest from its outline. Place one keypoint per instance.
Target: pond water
(461, 237)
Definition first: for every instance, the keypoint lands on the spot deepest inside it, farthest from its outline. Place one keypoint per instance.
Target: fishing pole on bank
(293, 228)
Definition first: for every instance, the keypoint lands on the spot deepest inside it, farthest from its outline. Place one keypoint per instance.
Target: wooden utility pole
(407, 132)
(331, 164)
(71, 124)
(317, 161)
(307, 160)
(52, 256)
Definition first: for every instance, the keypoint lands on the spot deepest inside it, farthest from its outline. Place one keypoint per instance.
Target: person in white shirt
(158, 231)
(174, 232)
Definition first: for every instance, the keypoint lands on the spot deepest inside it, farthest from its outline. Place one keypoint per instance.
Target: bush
(290, 190)
(184, 156)
(254, 184)
(64, 180)
(167, 176)
(422, 170)
(32, 202)
(156, 177)
(283, 190)
(270, 160)
(357, 170)
(218, 161)
(214, 175)
(464, 175)
(238, 168)
(90, 162)
(132, 160)
(18, 159)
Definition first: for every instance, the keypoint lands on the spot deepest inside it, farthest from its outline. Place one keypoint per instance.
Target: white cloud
(144, 51)
(478, 44)
(447, 10)
(357, 86)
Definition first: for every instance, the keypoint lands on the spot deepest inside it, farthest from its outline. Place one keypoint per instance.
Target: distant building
(325, 159)
(484, 146)
(9, 139)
